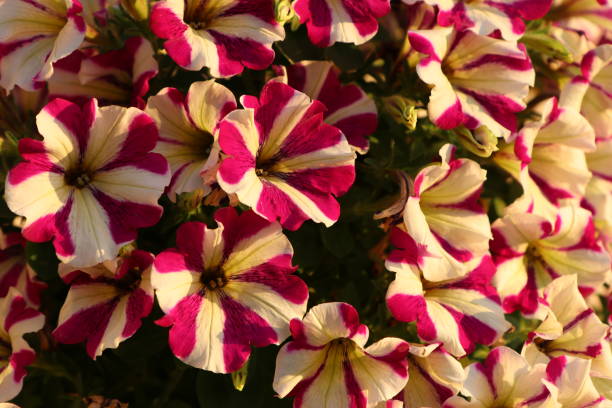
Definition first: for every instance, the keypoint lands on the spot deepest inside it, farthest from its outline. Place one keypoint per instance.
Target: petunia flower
(505, 379)
(547, 156)
(34, 35)
(224, 290)
(458, 313)
(326, 364)
(433, 376)
(188, 132)
(349, 108)
(530, 252)
(91, 183)
(282, 159)
(598, 194)
(118, 77)
(569, 378)
(224, 36)
(592, 18)
(16, 319)
(570, 327)
(484, 17)
(455, 64)
(590, 92)
(105, 303)
(15, 271)
(331, 21)
(444, 225)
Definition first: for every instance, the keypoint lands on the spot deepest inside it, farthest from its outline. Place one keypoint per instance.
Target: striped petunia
(457, 313)
(590, 18)
(326, 365)
(570, 326)
(547, 156)
(283, 160)
(590, 91)
(598, 194)
(15, 271)
(434, 376)
(16, 319)
(91, 183)
(33, 35)
(505, 379)
(530, 251)
(348, 21)
(105, 303)
(226, 289)
(455, 64)
(188, 132)
(118, 77)
(444, 224)
(485, 17)
(223, 35)
(349, 108)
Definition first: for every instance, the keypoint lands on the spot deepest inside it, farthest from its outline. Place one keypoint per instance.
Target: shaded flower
(15, 271)
(283, 160)
(484, 17)
(589, 17)
(224, 36)
(530, 252)
(326, 364)
(226, 289)
(34, 35)
(455, 64)
(16, 319)
(458, 313)
(331, 21)
(349, 108)
(91, 183)
(444, 225)
(105, 303)
(188, 132)
(118, 77)
(504, 379)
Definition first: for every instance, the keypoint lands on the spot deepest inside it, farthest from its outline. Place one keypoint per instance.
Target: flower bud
(479, 141)
(137, 9)
(402, 110)
(283, 11)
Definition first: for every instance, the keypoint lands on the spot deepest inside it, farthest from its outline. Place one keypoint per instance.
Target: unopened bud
(402, 110)
(283, 11)
(239, 377)
(546, 44)
(137, 9)
(479, 141)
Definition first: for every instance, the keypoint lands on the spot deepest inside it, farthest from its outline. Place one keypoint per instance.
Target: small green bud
(137, 9)
(545, 44)
(283, 11)
(402, 110)
(479, 141)
(239, 377)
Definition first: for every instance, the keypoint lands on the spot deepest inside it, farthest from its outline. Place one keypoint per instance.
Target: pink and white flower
(33, 35)
(589, 17)
(91, 183)
(283, 160)
(105, 303)
(444, 225)
(326, 364)
(349, 108)
(188, 133)
(433, 376)
(331, 21)
(226, 289)
(547, 157)
(571, 327)
(484, 17)
(225, 35)
(530, 252)
(590, 92)
(505, 379)
(15, 271)
(118, 77)
(455, 64)
(16, 319)
(598, 195)
(458, 313)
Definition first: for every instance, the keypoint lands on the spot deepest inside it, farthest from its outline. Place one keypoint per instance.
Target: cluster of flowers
(104, 154)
